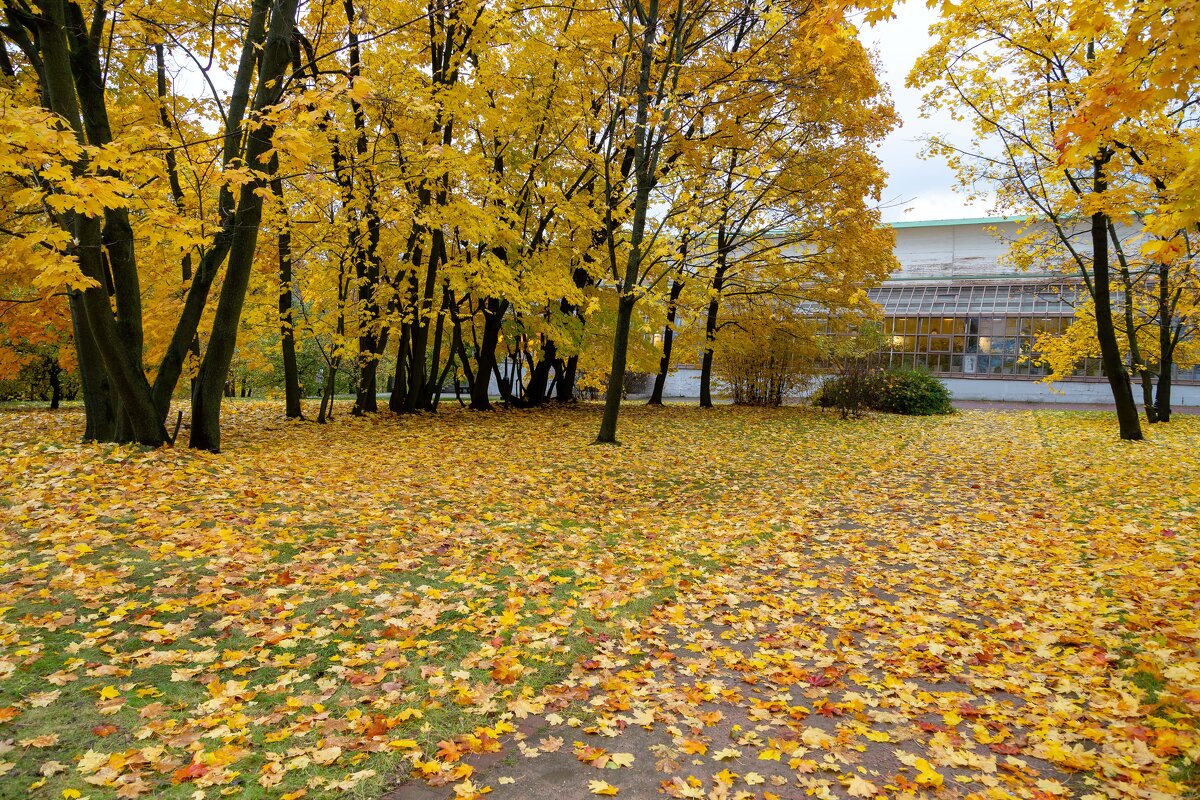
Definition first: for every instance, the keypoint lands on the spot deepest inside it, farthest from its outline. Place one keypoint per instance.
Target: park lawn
(330, 609)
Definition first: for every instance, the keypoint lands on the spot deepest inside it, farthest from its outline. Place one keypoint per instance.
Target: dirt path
(935, 640)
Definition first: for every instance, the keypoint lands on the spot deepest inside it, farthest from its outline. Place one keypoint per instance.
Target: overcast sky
(917, 189)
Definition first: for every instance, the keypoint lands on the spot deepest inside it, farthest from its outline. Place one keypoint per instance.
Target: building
(957, 308)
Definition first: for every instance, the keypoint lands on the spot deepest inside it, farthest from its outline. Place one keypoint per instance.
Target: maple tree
(1141, 102)
(742, 138)
(35, 341)
(453, 195)
(782, 188)
(1027, 75)
(89, 183)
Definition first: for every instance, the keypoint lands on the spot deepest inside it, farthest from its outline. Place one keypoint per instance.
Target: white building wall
(1066, 392)
(684, 384)
(948, 252)
(962, 249)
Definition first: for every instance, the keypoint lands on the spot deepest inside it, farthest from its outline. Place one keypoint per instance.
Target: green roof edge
(929, 223)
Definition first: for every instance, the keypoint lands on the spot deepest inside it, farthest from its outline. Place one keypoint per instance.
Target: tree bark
(1166, 345)
(536, 392)
(485, 359)
(566, 380)
(643, 180)
(365, 241)
(117, 346)
(710, 319)
(100, 424)
(206, 396)
(55, 384)
(399, 393)
(1110, 351)
(710, 335)
(117, 233)
(1145, 375)
(664, 363)
(287, 330)
(184, 337)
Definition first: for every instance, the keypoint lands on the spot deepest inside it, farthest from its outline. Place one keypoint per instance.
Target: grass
(357, 575)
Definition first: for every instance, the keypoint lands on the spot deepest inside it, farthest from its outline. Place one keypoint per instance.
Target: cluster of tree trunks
(120, 403)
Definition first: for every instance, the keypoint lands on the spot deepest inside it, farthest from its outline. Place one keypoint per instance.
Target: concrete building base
(685, 383)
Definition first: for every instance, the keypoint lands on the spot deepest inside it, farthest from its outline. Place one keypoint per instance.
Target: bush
(900, 391)
(913, 392)
(765, 356)
(851, 393)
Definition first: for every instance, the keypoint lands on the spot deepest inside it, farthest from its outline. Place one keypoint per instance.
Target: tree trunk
(485, 359)
(437, 375)
(117, 342)
(55, 384)
(616, 375)
(539, 377)
(1146, 378)
(644, 168)
(1166, 345)
(710, 328)
(1162, 400)
(706, 361)
(117, 233)
(1106, 334)
(184, 337)
(371, 339)
(566, 380)
(399, 393)
(1139, 365)
(131, 389)
(664, 363)
(100, 424)
(206, 396)
(287, 330)
(326, 412)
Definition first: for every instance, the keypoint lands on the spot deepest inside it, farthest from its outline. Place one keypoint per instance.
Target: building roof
(1046, 298)
(930, 223)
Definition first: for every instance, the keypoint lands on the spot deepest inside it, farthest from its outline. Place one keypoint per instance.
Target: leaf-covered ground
(733, 604)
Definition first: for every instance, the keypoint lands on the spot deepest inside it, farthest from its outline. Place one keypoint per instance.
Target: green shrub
(899, 391)
(851, 393)
(913, 392)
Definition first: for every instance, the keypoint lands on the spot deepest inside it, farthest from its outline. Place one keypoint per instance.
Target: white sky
(917, 189)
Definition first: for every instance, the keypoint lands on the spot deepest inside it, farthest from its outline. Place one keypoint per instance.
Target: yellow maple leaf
(602, 788)
(861, 787)
(326, 755)
(927, 776)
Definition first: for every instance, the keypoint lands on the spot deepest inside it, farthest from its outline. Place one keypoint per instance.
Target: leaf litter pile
(733, 604)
